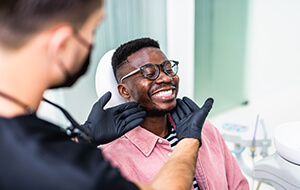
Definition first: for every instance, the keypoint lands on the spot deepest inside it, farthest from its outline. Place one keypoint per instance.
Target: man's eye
(150, 75)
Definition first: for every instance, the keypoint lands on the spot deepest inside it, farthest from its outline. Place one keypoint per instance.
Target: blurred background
(243, 53)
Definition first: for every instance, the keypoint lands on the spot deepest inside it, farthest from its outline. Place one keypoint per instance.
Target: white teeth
(164, 93)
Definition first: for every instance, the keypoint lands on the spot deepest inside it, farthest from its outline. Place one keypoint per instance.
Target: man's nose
(163, 77)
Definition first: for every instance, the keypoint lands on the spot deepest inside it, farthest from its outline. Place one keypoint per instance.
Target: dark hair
(123, 51)
(20, 19)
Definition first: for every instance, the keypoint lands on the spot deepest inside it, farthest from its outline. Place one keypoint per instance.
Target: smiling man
(154, 88)
(145, 75)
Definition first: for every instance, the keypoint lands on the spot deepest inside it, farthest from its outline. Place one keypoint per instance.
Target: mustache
(162, 85)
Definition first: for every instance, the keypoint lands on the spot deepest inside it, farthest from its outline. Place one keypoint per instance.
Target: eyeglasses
(151, 71)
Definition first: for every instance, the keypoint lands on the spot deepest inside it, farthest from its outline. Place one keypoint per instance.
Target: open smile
(164, 94)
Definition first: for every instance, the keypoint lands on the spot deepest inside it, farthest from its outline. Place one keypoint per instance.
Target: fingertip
(175, 116)
(133, 104)
(140, 113)
(209, 101)
(144, 113)
(208, 104)
(190, 103)
(107, 95)
(133, 124)
(178, 99)
(129, 105)
(104, 99)
(140, 120)
(186, 98)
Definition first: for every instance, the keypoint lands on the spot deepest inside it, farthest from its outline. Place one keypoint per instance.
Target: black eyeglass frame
(158, 73)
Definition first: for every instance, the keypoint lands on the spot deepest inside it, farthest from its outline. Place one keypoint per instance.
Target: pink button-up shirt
(140, 154)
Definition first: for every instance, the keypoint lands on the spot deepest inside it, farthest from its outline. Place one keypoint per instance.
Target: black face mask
(71, 79)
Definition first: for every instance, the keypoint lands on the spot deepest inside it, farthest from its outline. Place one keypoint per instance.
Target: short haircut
(21, 19)
(123, 51)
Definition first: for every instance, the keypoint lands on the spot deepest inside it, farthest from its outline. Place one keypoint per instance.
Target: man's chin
(157, 113)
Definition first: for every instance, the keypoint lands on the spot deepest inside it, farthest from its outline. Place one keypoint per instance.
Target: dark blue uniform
(36, 154)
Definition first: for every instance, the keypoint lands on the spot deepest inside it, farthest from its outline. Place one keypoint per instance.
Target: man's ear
(59, 40)
(124, 91)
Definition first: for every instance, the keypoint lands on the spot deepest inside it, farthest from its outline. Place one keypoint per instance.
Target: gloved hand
(189, 118)
(106, 125)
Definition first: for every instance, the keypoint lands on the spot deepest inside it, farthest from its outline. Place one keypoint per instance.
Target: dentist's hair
(22, 19)
(123, 51)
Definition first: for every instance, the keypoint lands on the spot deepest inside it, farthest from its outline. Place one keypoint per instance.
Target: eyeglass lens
(151, 71)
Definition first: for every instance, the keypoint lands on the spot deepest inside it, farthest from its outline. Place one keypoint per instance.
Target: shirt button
(160, 141)
(169, 154)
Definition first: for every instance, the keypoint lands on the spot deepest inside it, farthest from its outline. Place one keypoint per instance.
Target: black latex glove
(106, 125)
(189, 118)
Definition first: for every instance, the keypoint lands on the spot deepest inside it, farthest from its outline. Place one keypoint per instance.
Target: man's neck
(16, 79)
(157, 125)
(17, 100)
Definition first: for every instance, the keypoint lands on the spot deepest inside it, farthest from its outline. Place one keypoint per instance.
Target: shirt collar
(144, 140)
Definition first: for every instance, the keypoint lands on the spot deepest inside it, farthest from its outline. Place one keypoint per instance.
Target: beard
(156, 112)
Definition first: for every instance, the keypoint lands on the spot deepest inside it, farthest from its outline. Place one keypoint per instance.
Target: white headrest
(105, 80)
(286, 140)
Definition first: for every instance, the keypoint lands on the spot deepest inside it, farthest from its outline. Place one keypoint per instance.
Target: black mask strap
(28, 110)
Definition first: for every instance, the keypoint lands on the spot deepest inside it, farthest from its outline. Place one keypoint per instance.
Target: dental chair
(282, 169)
(105, 80)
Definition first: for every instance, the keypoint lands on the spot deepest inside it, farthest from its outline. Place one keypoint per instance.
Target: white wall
(273, 59)
(180, 40)
(273, 45)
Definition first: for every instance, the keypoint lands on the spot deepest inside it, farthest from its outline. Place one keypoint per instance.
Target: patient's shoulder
(210, 132)
(114, 144)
